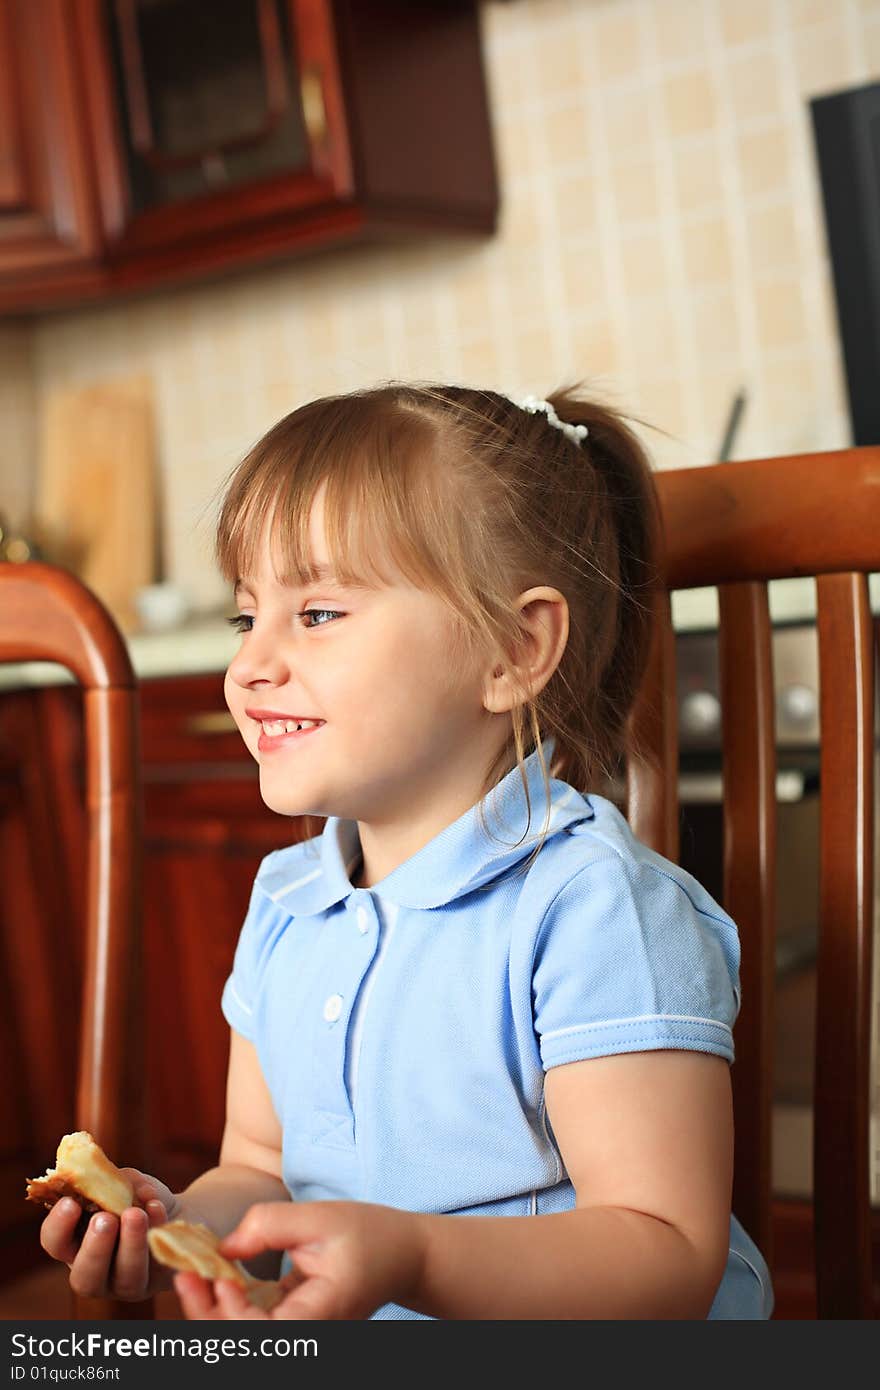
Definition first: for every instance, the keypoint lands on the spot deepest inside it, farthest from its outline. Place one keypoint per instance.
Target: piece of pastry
(83, 1171)
(191, 1246)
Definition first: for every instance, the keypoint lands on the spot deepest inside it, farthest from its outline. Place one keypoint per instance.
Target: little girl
(474, 993)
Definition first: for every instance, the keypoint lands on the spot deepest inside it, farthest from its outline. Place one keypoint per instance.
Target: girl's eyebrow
(323, 574)
(316, 574)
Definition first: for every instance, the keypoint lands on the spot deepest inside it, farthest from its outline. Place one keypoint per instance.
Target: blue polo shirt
(404, 1030)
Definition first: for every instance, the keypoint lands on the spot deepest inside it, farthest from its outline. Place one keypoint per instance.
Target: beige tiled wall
(661, 234)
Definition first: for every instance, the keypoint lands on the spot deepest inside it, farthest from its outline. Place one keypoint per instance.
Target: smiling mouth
(278, 733)
(276, 727)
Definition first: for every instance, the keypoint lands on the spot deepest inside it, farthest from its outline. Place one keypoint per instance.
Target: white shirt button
(363, 920)
(333, 1008)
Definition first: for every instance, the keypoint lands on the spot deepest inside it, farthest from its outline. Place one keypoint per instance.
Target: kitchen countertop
(207, 643)
(202, 645)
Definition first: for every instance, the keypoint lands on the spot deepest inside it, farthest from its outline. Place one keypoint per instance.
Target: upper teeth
(274, 727)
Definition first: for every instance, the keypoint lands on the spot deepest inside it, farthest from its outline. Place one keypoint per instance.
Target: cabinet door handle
(313, 107)
(210, 721)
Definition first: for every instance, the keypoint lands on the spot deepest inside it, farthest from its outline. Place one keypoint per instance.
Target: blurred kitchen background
(660, 233)
(203, 228)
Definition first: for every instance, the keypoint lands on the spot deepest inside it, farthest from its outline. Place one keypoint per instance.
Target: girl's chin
(279, 803)
(282, 801)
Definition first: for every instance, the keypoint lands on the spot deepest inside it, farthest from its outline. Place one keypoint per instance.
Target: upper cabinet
(49, 226)
(150, 141)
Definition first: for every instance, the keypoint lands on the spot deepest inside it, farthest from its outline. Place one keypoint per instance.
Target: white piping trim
(297, 883)
(635, 1018)
(238, 999)
(533, 1203)
(746, 1261)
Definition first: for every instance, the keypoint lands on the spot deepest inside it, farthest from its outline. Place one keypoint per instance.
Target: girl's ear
(525, 672)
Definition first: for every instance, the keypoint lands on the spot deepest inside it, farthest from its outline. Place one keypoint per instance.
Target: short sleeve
(631, 957)
(259, 931)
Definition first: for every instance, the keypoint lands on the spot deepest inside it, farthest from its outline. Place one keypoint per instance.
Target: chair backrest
(736, 526)
(46, 614)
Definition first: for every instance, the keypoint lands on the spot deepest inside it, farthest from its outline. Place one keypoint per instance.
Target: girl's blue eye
(242, 622)
(323, 612)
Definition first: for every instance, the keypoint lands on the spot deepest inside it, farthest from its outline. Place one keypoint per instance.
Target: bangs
(390, 480)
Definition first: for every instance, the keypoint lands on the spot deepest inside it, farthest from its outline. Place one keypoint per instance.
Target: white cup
(161, 607)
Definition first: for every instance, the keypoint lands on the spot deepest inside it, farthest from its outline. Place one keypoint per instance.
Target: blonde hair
(476, 500)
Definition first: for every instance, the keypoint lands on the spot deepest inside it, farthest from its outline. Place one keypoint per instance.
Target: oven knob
(798, 706)
(700, 713)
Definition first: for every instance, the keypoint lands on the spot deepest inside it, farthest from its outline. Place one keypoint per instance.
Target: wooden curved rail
(46, 614)
(771, 518)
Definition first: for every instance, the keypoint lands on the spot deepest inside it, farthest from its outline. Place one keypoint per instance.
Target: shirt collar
(461, 858)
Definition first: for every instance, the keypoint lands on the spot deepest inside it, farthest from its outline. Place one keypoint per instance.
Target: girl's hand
(112, 1258)
(348, 1259)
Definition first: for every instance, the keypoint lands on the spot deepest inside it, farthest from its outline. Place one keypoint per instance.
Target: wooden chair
(736, 526)
(48, 615)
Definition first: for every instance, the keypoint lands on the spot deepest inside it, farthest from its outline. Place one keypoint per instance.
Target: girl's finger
(89, 1270)
(156, 1213)
(131, 1267)
(147, 1189)
(316, 1298)
(58, 1233)
(196, 1297)
(233, 1301)
(272, 1226)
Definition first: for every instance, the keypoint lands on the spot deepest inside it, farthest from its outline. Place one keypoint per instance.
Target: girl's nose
(258, 661)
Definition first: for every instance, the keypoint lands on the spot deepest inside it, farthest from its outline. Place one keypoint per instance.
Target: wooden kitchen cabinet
(149, 141)
(49, 223)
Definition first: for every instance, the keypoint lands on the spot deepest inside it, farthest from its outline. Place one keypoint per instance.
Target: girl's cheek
(231, 689)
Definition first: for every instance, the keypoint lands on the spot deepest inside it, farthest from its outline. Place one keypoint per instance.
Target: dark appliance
(846, 126)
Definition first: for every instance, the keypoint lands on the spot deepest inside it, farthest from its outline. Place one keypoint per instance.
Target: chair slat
(652, 767)
(846, 678)
(749, 774)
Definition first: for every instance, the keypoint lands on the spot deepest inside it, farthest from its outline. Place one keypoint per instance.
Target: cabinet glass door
(209, 94)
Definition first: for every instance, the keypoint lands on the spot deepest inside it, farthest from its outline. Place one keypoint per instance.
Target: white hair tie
(533, 406)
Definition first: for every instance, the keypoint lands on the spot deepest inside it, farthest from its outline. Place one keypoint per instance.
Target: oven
(796, 679)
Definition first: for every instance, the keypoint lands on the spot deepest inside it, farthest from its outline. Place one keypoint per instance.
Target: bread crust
(190, 1246)
(83, 1171)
